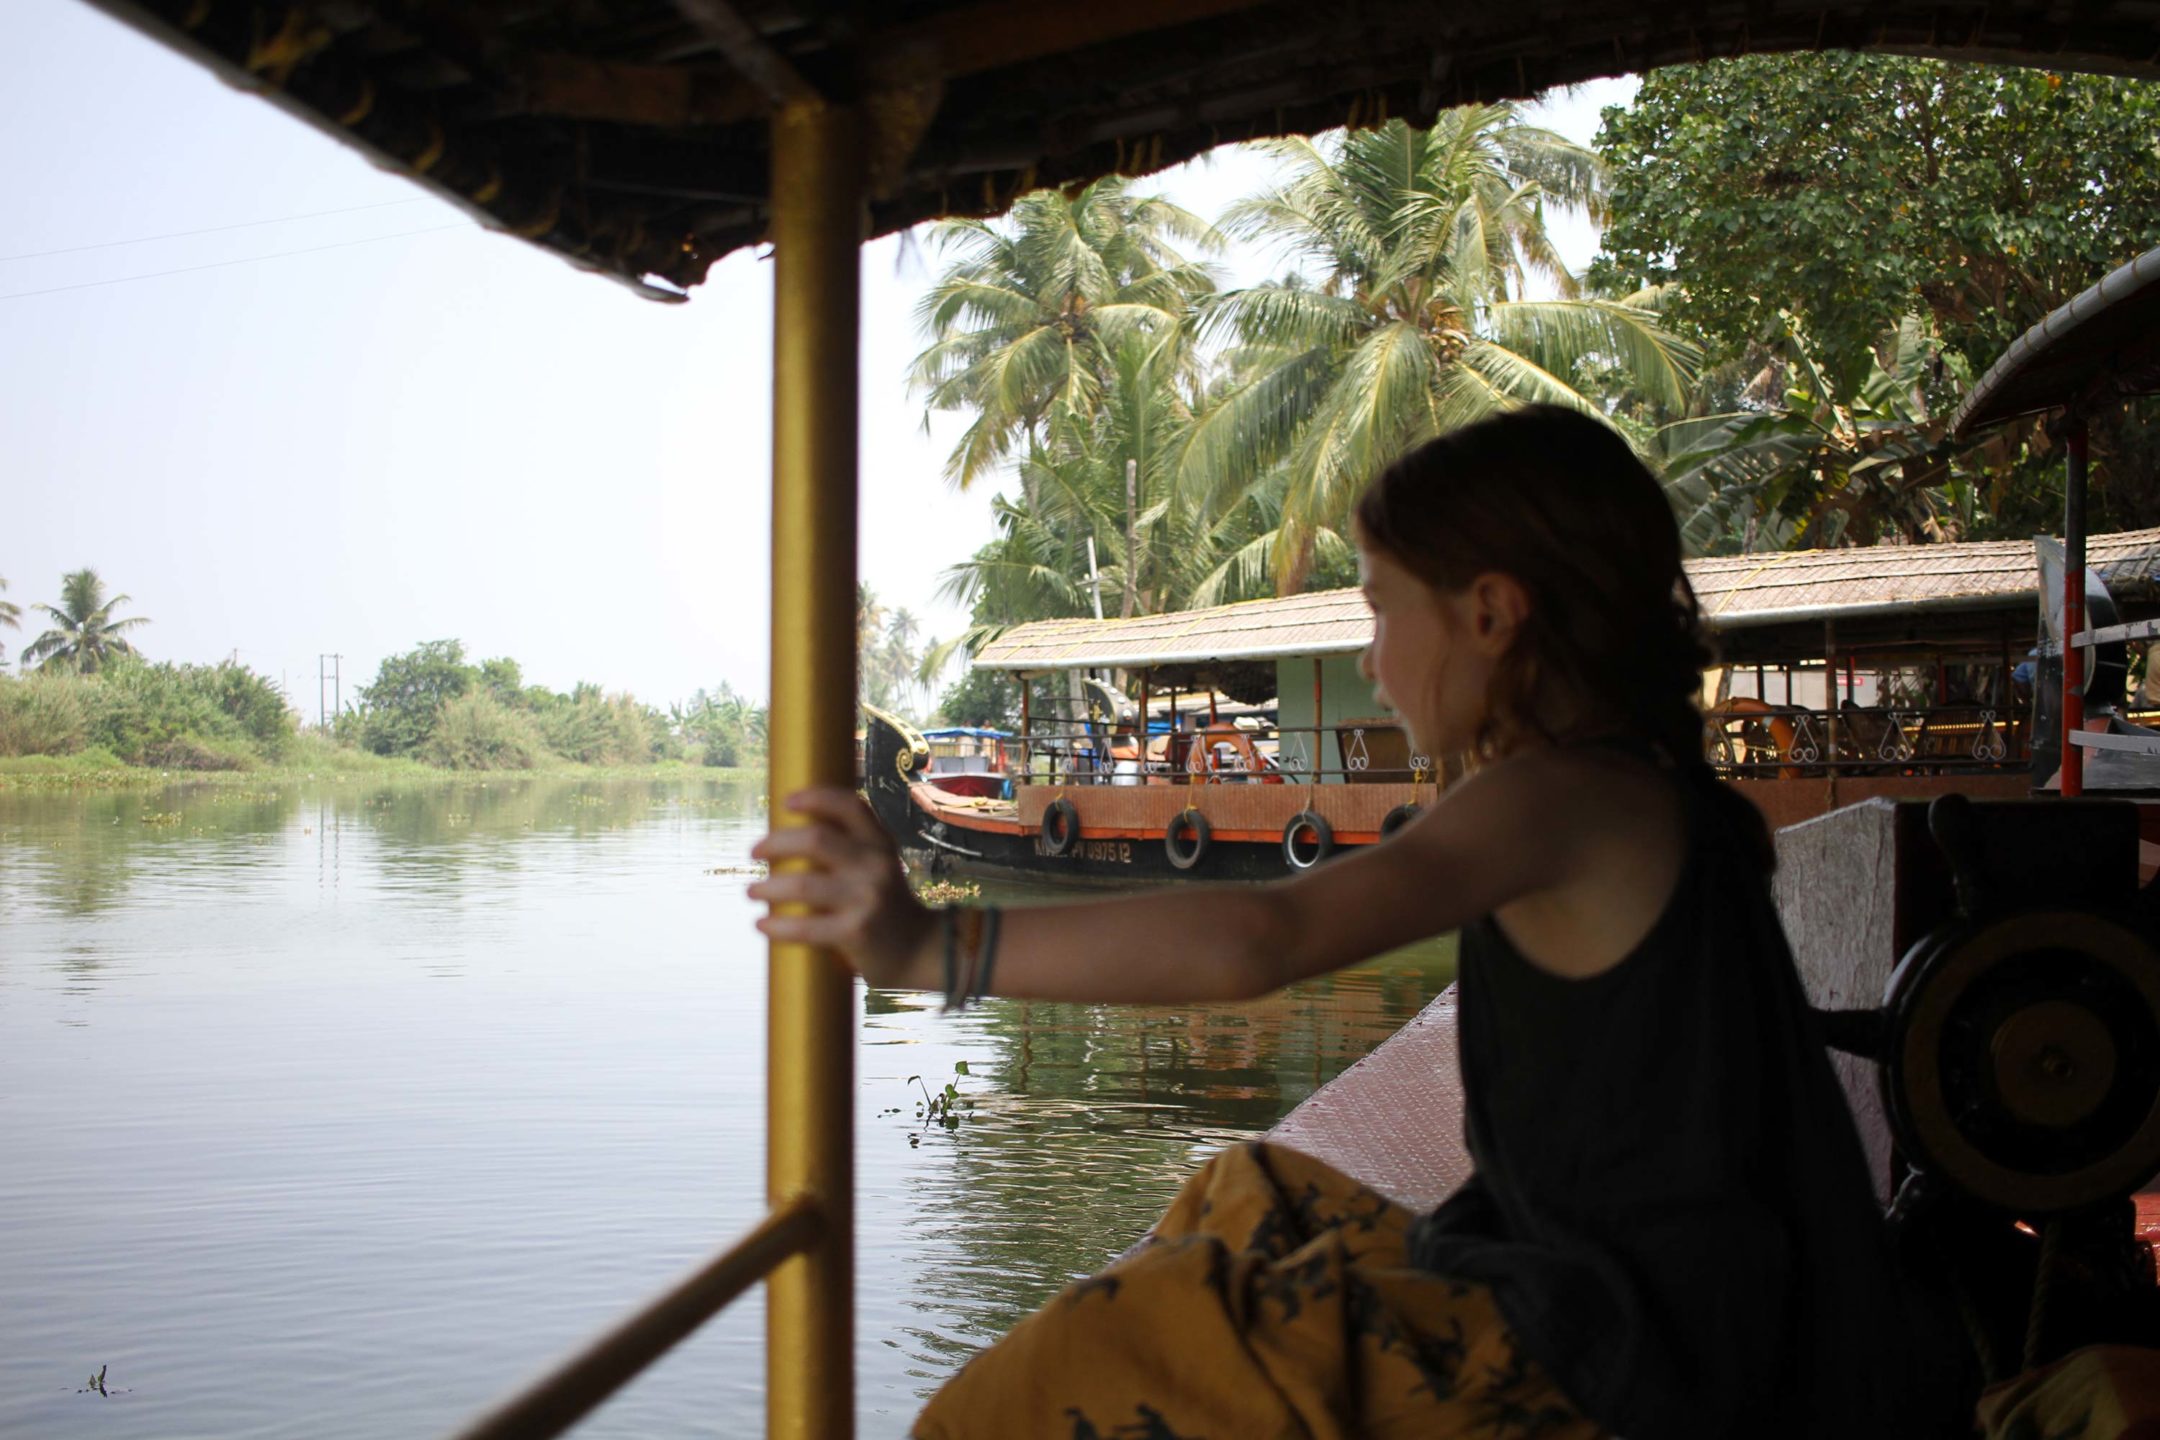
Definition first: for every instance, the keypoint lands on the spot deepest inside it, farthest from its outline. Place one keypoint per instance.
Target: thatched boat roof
(1753, 603)
(631, 137)
(2102, 345)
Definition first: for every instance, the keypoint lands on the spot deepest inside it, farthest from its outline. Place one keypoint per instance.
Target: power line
(243, 260)
(209, 230)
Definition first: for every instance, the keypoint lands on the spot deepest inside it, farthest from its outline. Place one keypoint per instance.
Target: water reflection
(80, 854)
(394, 1092)
(1086, 1119)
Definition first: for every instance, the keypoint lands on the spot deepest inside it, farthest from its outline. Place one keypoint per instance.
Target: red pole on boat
(2073, 611)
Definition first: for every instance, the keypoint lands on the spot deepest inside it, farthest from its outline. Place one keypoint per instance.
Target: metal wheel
(2025, 1068)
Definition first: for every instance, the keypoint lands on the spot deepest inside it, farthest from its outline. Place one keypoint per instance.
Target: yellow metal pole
(817, 226)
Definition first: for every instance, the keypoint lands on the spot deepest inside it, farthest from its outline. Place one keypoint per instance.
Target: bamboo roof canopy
(632, 137)
(2103, 345)
(1739, 594)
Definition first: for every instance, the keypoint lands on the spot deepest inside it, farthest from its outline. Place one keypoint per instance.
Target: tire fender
(1060, 827)
(1184, 853)
(1323, 839)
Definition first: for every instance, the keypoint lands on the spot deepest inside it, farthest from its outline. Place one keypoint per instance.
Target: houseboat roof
(1739, 594)
(632, 138)
(2105, 343)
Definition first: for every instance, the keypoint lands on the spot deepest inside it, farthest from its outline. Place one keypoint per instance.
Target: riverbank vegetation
(1806, 263)
(90, 709)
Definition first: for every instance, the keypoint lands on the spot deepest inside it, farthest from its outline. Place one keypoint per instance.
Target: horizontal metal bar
(2110, 634)
(562, 1398)
(2126, 744)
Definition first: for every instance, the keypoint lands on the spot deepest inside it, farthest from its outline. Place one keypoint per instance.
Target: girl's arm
(1509, 832)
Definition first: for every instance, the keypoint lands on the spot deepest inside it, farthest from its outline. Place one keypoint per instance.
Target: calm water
(337, 1113)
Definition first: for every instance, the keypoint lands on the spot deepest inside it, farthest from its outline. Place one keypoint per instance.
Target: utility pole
(329, 672)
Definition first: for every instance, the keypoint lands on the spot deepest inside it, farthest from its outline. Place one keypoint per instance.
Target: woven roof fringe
(631, 138)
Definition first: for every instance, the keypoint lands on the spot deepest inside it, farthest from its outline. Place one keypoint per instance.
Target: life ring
(1398, 817)
(1185, 853)
(1060, 826)
(1323, 839)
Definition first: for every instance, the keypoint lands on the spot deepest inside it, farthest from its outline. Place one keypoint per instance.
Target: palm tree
(84, 634)
(10, 615)
(1022, 321)
(1425, 244)
(889, 668)
(869, 619)
(1072, 488)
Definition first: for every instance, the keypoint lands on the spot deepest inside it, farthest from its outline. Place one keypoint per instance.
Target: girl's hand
(856, 892)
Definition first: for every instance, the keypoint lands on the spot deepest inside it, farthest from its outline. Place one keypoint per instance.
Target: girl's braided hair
(1613, 645)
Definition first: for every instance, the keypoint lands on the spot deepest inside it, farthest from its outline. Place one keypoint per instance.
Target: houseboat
(1240, 742)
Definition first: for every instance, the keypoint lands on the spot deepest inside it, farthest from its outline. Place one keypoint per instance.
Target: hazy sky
(410, 429)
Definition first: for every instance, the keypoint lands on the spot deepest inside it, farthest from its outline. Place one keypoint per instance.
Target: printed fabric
(1275, 1299)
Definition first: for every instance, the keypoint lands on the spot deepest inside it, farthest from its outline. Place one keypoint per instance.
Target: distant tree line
(433, 705)
(86, 689)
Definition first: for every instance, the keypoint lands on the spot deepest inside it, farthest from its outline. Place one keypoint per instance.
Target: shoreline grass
(311, 760)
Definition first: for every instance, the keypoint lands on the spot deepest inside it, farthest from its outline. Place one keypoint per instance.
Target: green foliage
(504, 680)
(593, 728)
(1022, 319)
(726, 728)
(981, 697)
(10, 614)
(1854, 238)
(187, 717)
(399, 711)
(1797, 465)
(190, 717)
(85, 635)
(41, 715)
(475, 731)
(888, 652)
(1412, 320)
(499, 722)
(1854, 190)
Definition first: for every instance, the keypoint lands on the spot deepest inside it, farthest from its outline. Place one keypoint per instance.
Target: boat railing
(2138, 632)
(1059, 751)
(1751, 740)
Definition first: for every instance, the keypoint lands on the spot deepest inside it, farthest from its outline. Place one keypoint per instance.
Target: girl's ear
(1498, 607)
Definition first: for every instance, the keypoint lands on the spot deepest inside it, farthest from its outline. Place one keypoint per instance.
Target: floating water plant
(948, 892)
(943, 1108)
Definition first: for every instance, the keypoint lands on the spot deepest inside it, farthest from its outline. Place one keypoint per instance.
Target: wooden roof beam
(764, 67)
(998, 33)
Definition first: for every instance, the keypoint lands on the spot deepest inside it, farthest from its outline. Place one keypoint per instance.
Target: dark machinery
(2018, 1049)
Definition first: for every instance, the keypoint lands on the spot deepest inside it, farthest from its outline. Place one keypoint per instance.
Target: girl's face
(1432, 655)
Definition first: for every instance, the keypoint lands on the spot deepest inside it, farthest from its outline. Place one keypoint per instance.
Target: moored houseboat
(1240, 742)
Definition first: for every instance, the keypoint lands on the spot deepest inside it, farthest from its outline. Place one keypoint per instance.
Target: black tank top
(1670, 1201)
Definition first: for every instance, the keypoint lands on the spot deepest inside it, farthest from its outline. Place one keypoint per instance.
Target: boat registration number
(1113, 852)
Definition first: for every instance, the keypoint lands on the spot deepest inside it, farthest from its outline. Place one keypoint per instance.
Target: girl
(1671, 1230)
